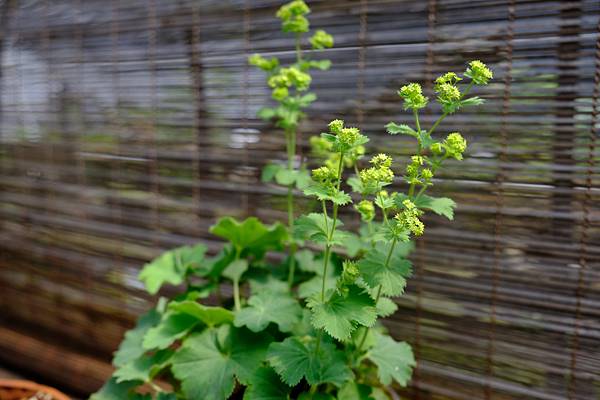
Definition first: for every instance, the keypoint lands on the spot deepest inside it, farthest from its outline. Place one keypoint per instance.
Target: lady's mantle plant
(306, 328)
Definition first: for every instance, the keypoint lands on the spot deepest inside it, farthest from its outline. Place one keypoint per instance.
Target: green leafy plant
(309, 326)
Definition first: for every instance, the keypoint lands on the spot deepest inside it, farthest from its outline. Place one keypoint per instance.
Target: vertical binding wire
(499, 199)
(196, 75)
(116, 168)
(419, 259)
(584, 235)
(154, 172)
(362, 50)
(245, 98)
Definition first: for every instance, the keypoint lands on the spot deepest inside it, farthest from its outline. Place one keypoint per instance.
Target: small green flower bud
(292, 9)
(280, 93)
(321, 40)
(417, 160)
(336, 126)
(366, 210)
(383, 194)
(455, 145)
(427, 174)
(350, 272)
(279, 80)
(413, 96)
(479, 72)
(437, 149)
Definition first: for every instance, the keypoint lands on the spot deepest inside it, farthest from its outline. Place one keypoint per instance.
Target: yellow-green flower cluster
(366, 209)
(408, 218)
(455, 145)
(293, 18)
(265, 64)
(416, 174)
(347, 138)
(448, 78)
(321, 40)
(286, 78)
(324, 175)
(377, 176)
(447, 93)
(479, 72)
(413, 96)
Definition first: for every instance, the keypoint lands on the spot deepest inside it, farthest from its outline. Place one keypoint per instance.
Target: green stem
(236, 294)
(444, 115)
(387, 262)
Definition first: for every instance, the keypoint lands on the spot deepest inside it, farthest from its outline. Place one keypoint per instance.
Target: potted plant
(307, 327)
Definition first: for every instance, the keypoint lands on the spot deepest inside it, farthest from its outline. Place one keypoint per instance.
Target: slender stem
(444, 115)
(236, 294)
(387, 262)
(298, 49)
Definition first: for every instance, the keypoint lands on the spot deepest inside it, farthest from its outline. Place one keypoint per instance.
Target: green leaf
(173, 326)
(131, 347)
(265, 384)
(266, 281)
(166, 396)
(286, 176)
(251, 235)
(323, 193)
(315, 396)
(323, 65)
(143, 368)
(386, 307)
(340, 314)
(403, 129)
(313, 227)
(211, 316)
(391, 276)
(172, 267)
(221, 355)
(267, 113)
(307, 99)
(303, 179)
(354, 391)
(472, 101)
(393, 359)
(308, 262)
(269, 306)
(294, 359)
(118, 391)
(269, 171)
(236, 269)
(440, 205)
(313, 285)
(356, 184)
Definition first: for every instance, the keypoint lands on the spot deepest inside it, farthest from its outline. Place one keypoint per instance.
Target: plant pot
(15, 389)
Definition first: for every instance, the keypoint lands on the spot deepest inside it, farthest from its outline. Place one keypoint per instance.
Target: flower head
(408, 218)
(280, 93)
(293, 18)
(336, 126)
(447, 93)
(479, 72)
(349, 136)
(455, 145)
(324, 175)
(413, 96)
(449, 78)
(321, 40)
(381, 160)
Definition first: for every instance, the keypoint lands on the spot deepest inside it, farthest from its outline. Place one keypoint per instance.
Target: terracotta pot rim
(29, 385)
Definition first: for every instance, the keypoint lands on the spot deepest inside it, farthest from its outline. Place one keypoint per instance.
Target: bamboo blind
(127, 127)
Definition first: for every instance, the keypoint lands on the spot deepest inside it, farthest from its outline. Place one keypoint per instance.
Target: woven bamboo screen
(127, 127)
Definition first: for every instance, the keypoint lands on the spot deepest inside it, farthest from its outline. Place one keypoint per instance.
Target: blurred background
(128, 126)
